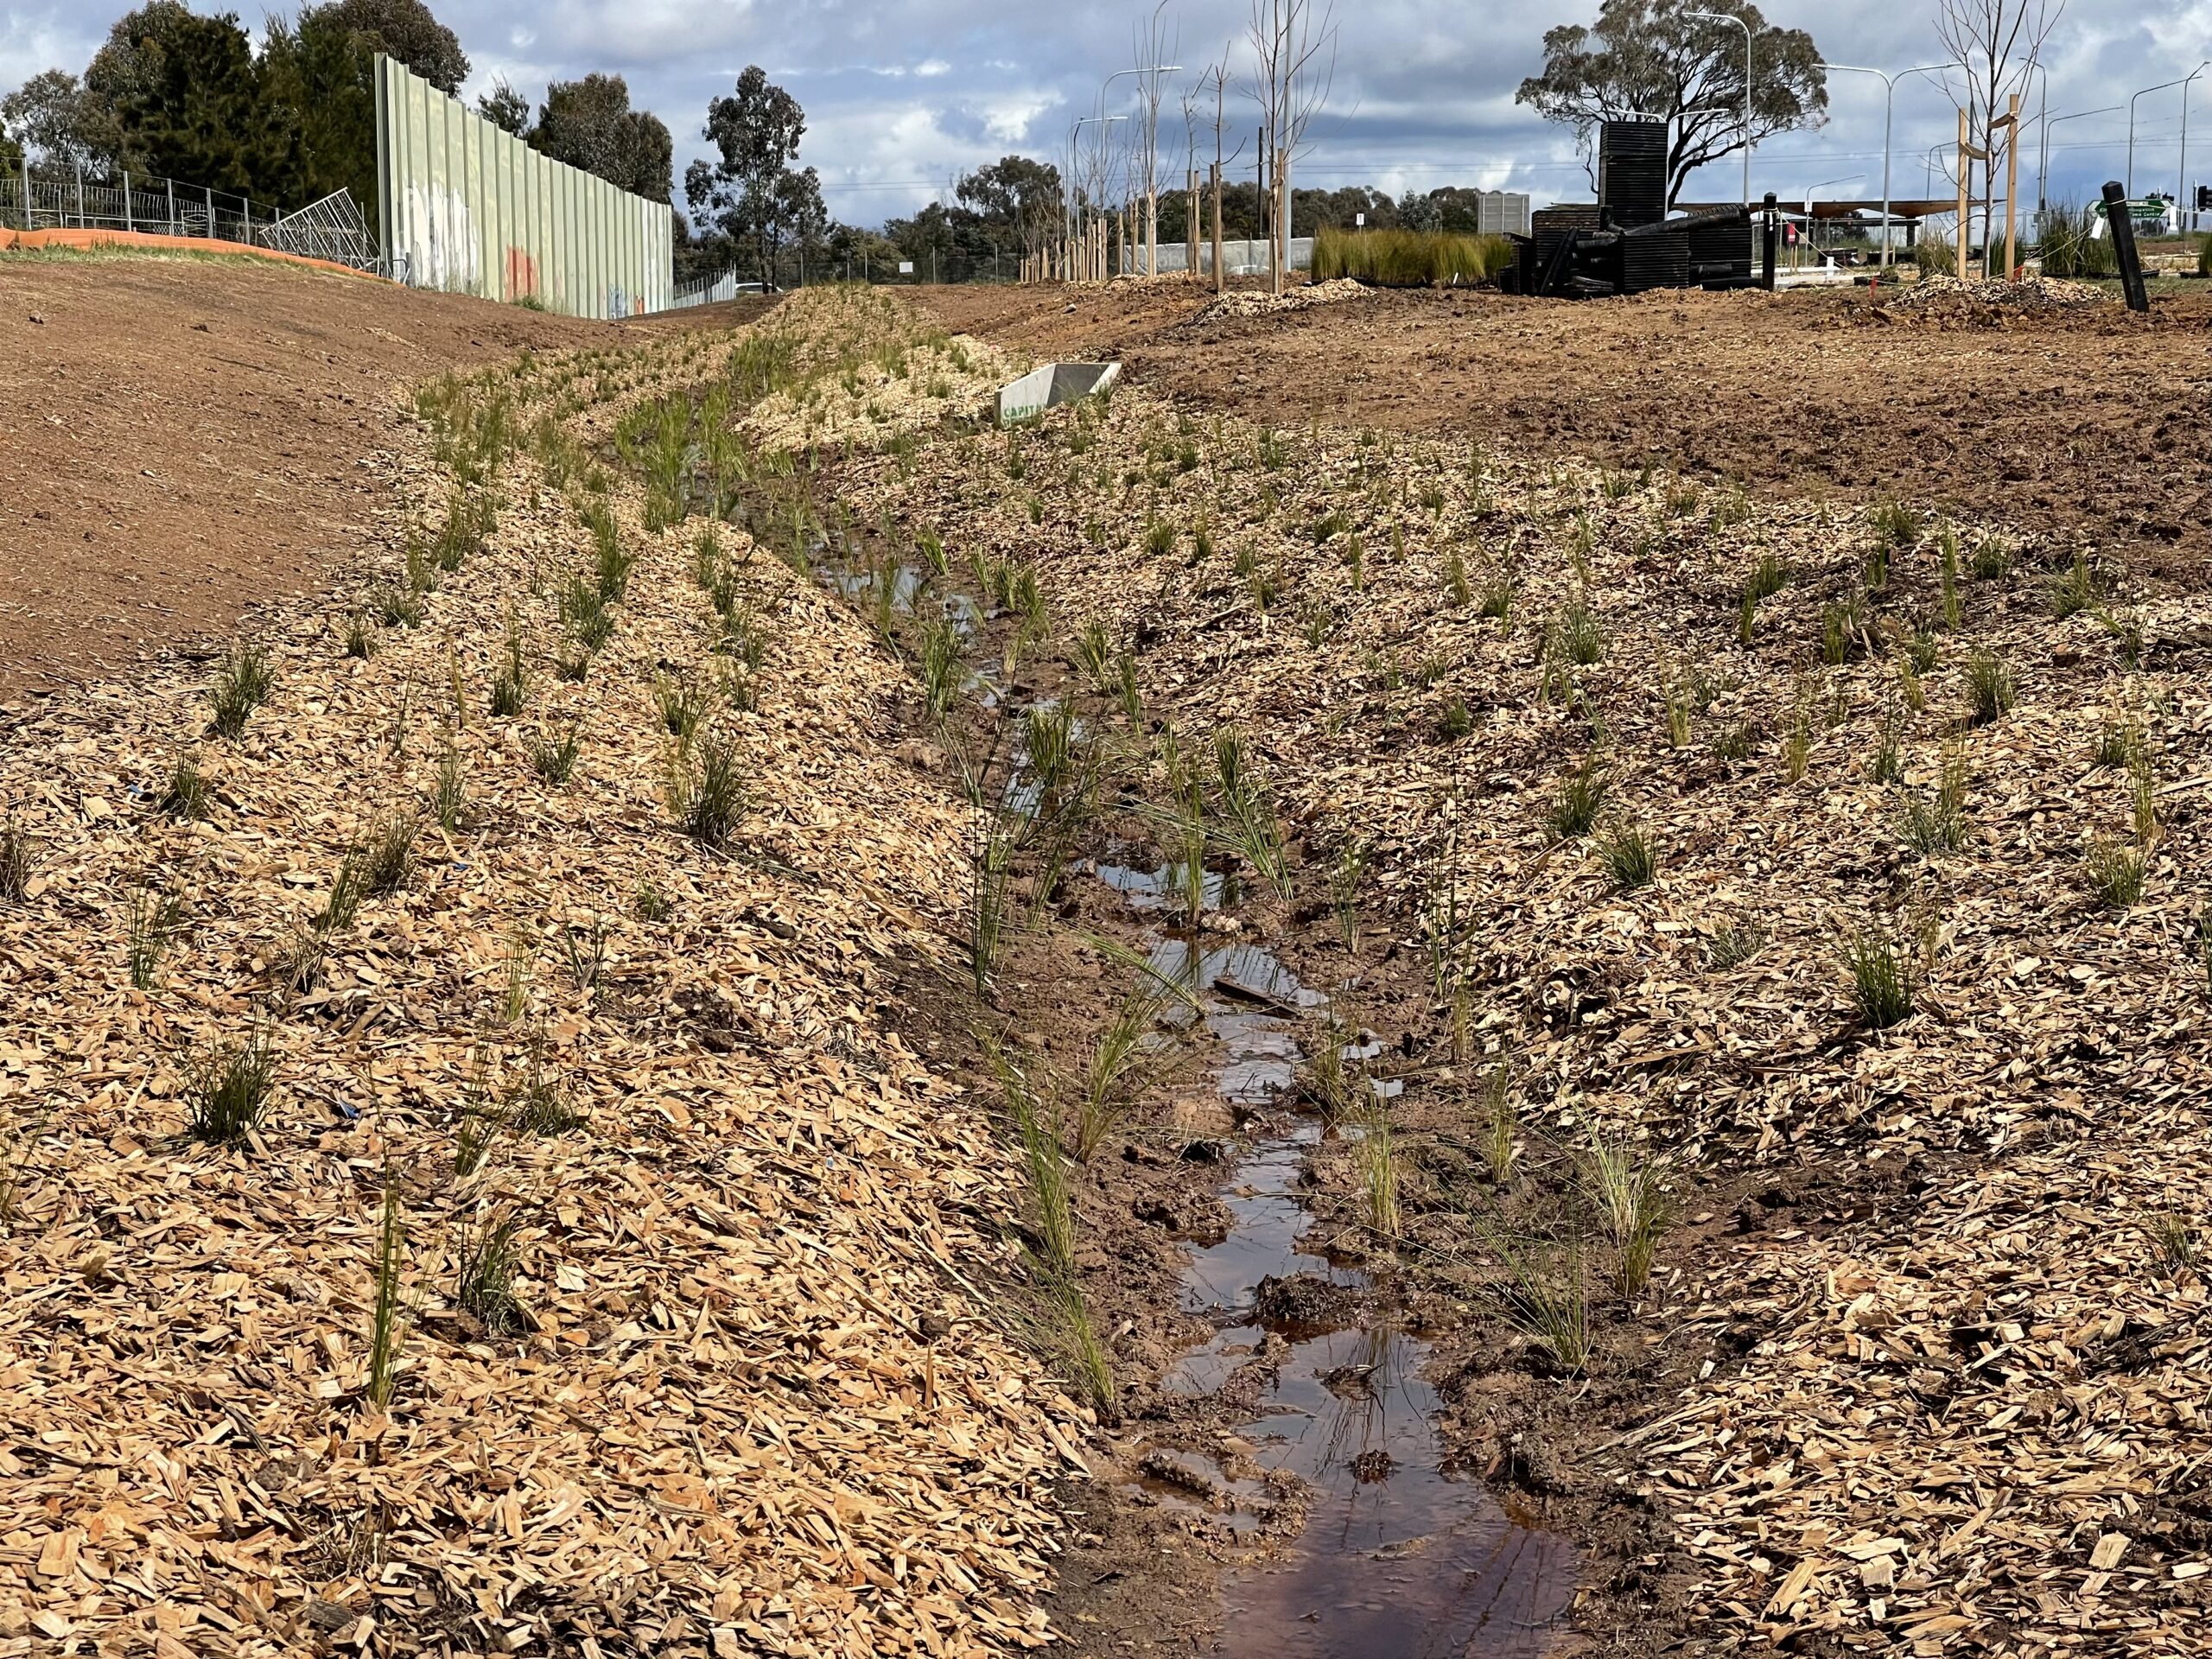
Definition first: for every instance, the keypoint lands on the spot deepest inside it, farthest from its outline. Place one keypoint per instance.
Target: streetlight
(1094, 121)
(1889, 111)
(1848, 178)
(1729, 17)
(2180, 184)
(2160, 87)
(2042, 163)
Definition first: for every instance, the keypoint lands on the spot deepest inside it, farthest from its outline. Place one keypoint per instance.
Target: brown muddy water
(1401, 1554)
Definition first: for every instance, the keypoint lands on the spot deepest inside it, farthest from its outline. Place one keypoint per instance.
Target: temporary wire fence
(331, 229)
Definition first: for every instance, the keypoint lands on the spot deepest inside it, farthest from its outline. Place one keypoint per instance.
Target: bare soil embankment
(2079, 423)
(180, 437)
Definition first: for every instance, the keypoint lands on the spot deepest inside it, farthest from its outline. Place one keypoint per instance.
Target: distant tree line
(174, 94)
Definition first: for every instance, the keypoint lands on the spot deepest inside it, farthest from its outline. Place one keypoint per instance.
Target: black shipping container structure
(1625, 243)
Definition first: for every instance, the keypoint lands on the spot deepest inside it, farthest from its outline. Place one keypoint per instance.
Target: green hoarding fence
(469, 209)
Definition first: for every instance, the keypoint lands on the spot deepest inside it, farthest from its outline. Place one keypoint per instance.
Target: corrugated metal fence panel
(471, 209)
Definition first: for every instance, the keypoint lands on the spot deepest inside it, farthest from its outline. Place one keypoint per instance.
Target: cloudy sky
(901, 96)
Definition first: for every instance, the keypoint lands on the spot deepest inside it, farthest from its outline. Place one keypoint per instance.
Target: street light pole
(1888, 114)
(2042, 164)
(2160, 87)
(1729, 17)
(2180, 184)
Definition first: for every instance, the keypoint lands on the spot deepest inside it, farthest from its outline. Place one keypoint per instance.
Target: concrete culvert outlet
(1050, 383)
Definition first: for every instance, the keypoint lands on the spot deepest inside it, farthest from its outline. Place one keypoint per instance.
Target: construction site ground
(2074, 423)
(180, 437)
(719, 809)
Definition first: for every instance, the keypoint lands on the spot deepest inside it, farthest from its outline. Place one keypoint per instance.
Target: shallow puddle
(1401, 1554)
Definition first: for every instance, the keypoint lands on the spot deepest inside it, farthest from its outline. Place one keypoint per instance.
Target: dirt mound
(2072, 417)
(606, 1131)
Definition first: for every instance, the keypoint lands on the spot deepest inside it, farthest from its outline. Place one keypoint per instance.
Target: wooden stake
(2012, 192)
(1191, 227)
(1218, 279)
(1965, 148)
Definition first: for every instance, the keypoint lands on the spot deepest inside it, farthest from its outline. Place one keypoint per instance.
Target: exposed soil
(180, 438)
(2079, 423)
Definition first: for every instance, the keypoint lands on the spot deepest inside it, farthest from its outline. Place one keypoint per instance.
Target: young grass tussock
(552, 755)
(2115, 874)
(1883, 975)
(1546, 1295)
(2174, 1242)
(1989, 687)
(225, 1089)
(707, 791)
(1375, 1154)
(1628, 854)
(1938, 822)
(1625, 1187)
(1347, 878)
(489, 1256)
(681, 703)
(1249, 812)
(187, 794)
(388, 855)
(1577, 800)
(18, 861)
(1498, 1123)
(242, 682)
(150, 921)
(388, 1316)
(510, 682)
(1124, 1059)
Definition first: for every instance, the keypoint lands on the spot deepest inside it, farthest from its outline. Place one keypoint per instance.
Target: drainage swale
(1400, 1554)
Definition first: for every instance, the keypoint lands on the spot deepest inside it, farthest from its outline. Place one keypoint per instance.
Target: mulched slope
(1975, 1420)
(766, 1405)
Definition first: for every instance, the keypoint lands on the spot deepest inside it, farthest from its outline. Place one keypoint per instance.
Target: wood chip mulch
(1970, 1416)
(755, 1390)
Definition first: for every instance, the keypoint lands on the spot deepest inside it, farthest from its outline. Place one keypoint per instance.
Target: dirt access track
(181, 436)
(2082, 424)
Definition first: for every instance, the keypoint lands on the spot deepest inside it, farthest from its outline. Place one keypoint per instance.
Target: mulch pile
(750, 1392)
(1246, 303)
(2031, 293)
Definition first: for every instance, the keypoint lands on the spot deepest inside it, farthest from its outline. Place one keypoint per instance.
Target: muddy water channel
(1400, 1554)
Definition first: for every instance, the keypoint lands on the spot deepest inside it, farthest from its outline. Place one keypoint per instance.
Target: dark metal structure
(1625, 243)
(2122, 224)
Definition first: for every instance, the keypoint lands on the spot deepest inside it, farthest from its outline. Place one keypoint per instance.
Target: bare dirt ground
(181, 437)
(2078, 424)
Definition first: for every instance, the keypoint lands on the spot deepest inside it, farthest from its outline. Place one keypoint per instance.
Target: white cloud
(899, 96)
